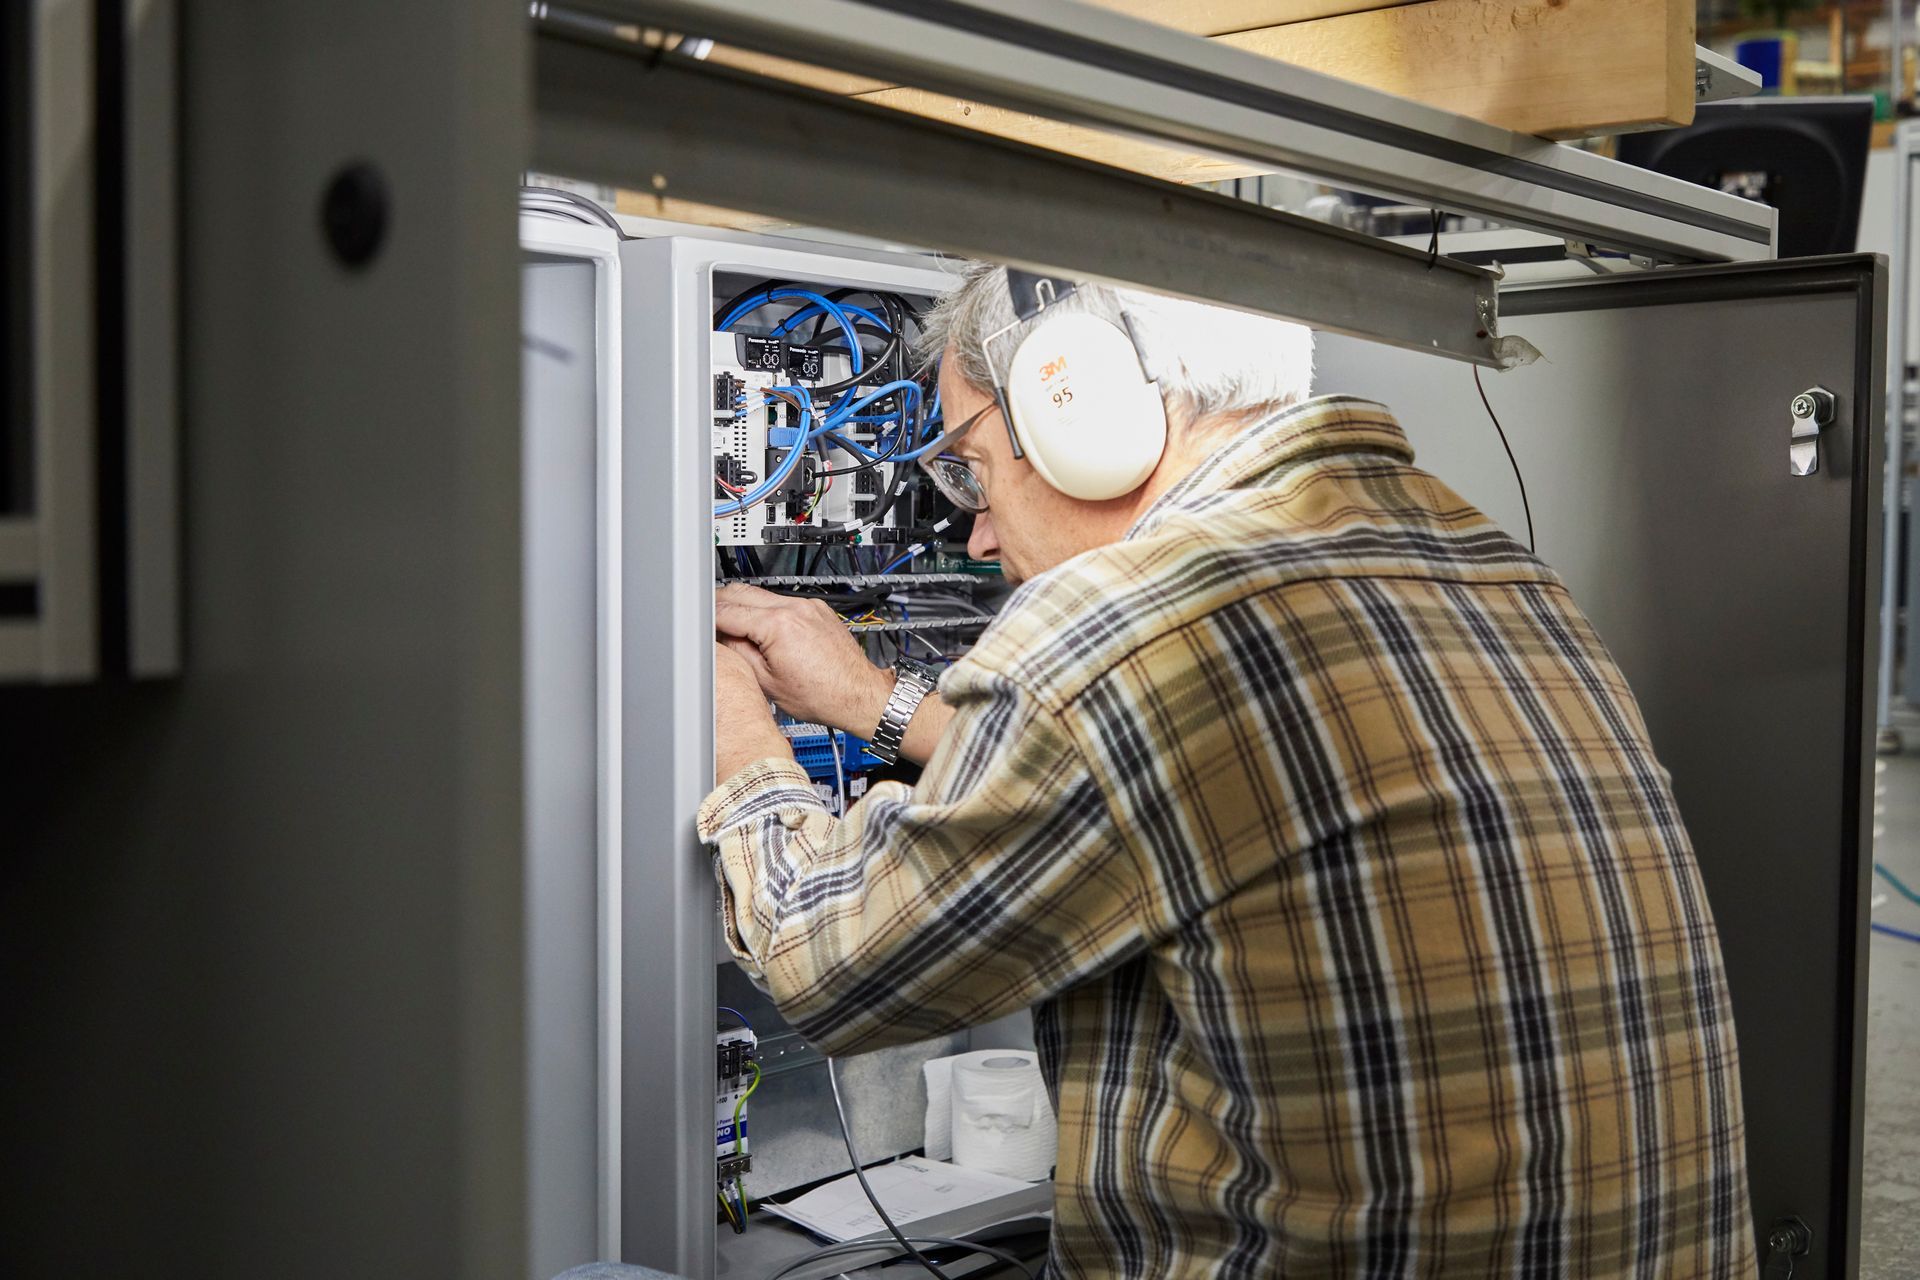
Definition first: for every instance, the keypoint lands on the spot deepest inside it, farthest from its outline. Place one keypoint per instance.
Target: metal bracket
(1787, 1239)
(1812, 411)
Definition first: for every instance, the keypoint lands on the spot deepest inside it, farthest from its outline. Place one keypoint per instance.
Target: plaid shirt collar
(1257, 456)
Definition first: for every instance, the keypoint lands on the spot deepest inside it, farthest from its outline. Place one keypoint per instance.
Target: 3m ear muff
(1079, 399)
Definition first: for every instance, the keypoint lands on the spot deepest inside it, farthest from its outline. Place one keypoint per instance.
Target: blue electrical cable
(902, 560)
(844, 408)
(1899, 885)
(808, 432)
(850, 446)
(736, 1013)
(807, 313)
(768, 296)
(1892, 932)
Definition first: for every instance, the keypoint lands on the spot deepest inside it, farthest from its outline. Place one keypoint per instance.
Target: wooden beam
(1115, 149)
(648, 204)
(1197, 17)
(1219, 17)
(1558, 68)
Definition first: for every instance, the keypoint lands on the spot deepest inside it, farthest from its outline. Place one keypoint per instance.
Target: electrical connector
(799, 482)
(769, 355)
(807, 363)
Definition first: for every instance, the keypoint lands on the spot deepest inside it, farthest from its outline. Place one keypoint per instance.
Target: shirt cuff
(760, 790)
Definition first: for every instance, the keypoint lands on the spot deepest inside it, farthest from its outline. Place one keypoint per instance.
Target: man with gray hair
(1299, 801)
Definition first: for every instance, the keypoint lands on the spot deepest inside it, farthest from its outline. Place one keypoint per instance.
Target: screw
(1803, 406)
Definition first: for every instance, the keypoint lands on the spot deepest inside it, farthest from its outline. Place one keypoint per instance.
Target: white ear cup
(1088, 419)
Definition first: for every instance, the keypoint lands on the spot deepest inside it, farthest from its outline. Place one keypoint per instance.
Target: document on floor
(914, 1190)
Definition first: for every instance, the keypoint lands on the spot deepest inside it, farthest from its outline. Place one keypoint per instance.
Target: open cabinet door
(1738, 597)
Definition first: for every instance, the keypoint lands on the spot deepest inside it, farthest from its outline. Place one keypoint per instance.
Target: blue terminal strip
(814, 750)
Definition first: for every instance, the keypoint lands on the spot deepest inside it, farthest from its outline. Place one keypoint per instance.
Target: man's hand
(744, 730)
(804, 658)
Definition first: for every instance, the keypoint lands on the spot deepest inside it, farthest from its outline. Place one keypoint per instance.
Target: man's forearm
(926, 729)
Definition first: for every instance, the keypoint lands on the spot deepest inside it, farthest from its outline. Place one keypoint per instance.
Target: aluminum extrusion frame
(669, 123)
(1086, 65)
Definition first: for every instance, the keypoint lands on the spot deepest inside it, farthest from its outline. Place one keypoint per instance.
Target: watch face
(925, 671)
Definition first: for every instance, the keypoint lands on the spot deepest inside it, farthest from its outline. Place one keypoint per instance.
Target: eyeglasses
(953, 476)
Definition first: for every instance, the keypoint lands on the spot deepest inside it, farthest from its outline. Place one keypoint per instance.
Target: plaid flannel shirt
(1314, 817)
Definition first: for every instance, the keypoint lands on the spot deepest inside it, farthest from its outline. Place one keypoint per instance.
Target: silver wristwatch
(912, 682)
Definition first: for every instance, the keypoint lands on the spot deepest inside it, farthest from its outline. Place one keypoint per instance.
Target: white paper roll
(1002, 1121)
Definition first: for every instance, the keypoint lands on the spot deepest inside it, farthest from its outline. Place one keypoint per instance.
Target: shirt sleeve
(997, 882)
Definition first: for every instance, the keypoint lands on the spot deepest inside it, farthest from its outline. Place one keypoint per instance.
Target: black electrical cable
(900, 469)
(856, 1247)
(894, 351)
(897, 314)
(725, 309)
(868, 464)
(1511, 461)
(861, 1247)
(840, 1110)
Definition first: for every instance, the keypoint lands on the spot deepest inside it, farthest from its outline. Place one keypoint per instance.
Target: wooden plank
(648, 204)
(765, 64)
(1558, 68)
(1093, 144)
(1219, 17)
(1203, 17)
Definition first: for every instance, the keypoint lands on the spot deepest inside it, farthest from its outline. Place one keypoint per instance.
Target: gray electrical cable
(837, 741)
(868, 1246)
(546, 199)
(860, 1172)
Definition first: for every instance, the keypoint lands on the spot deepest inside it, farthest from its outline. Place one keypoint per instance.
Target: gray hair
(1211, 361)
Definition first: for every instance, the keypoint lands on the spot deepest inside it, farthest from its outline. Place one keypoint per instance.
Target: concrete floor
(1890, 1199)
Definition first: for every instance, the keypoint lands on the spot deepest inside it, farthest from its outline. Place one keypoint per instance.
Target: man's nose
(981, 544)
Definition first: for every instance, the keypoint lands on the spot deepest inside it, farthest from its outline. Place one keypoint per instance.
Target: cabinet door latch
(1787, 1239)
(1812, 411)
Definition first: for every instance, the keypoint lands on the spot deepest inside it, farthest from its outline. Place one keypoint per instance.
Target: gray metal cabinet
(1738, 598)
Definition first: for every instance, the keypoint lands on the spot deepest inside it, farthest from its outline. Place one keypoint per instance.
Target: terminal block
(729, 396)
(729, 470)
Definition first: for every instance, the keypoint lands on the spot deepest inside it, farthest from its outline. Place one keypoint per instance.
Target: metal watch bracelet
(912, 682)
